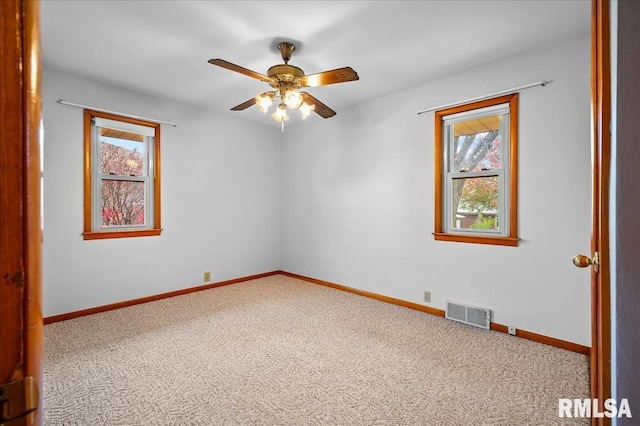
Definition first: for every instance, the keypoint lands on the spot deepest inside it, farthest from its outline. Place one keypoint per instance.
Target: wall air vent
(472, 315)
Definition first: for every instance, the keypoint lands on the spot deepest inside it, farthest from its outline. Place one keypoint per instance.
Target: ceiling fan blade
(237, 68)
(244, 105)
(340, 75)
(321, 109)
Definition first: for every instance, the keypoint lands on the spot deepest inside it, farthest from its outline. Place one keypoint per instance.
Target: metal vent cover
(472, 315)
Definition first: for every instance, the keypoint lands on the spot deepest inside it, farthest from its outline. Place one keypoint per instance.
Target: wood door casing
(32, 232)
(20, 203)
(11, 169)
(601, 149)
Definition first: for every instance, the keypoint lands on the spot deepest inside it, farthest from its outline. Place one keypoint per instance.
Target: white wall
(358, 198)
(220, 201)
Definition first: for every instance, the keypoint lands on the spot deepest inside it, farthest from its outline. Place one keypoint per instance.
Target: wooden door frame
(33, 232)
(21, 266)
(601, 146)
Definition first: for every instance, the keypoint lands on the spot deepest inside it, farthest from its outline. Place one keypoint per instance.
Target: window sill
(478, 239)
(102, 235)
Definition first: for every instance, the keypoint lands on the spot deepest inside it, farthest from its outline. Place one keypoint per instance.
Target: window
(476, 172)
(121, 176)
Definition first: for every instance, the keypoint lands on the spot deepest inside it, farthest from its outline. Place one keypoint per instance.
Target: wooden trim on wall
(477, 239)
(157, 170)
(103, 235)
(376, 296)
(118, 305)
(513, 165)
(540, 338)
(12, 159)
(562, 344)
(438, 175)
(21, 331)
(600, 238)
(551, 341)
(32, 104)
(87, 169)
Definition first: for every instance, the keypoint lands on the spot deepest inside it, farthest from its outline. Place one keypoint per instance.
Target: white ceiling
(162, 47)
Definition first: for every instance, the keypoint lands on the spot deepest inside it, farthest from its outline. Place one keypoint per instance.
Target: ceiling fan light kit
(287, 80)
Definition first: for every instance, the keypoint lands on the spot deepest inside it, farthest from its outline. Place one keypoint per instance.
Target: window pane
(122, 203)
(121, 153)
(475, 202)
(477, 144)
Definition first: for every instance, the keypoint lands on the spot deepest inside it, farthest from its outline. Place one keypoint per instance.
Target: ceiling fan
(287, 80)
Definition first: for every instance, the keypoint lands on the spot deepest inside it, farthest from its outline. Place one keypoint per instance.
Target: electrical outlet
(427, 296)
(207, 277)
(512, 330)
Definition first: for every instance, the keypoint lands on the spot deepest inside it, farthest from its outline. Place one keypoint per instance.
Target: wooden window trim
(512, 238)
(89, 233)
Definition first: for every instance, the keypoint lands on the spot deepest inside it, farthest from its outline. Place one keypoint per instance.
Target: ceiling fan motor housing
(285, 73)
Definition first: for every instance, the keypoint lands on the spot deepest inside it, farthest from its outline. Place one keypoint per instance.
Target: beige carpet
(279, 351)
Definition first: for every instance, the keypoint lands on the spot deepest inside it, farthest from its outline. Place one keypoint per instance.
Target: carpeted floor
(280, 351)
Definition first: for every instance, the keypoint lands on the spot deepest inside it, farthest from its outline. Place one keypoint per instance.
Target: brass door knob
(582, 261)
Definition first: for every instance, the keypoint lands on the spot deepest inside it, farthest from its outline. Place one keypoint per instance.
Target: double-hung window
(122, 177)
(476, 179)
